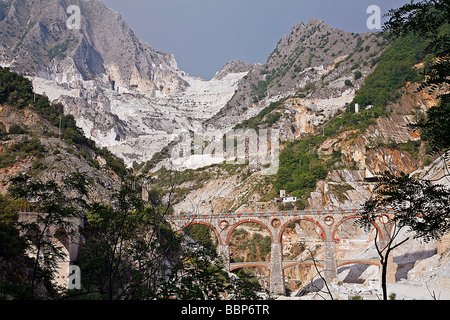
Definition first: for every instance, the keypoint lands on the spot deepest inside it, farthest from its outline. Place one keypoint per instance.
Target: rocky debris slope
(135, 126)
(48, 157)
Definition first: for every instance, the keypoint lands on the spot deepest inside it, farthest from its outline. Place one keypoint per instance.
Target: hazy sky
(205, 34)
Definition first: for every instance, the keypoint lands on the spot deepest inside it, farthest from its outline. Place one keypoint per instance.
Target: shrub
(16, 129)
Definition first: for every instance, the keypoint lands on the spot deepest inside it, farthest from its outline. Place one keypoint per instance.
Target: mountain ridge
(312, 54)
(331, 150)
(105, 76)
(44, 46)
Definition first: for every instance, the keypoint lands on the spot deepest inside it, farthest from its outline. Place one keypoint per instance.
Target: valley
(100, 102)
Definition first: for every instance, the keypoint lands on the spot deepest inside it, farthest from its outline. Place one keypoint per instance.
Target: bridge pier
(391, 266)
(276, 269)
(330, 262)
(224, 254)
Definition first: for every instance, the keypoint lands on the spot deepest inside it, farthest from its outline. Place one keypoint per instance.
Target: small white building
(289, 199)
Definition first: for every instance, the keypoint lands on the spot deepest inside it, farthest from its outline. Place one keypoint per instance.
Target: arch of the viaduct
(68, 234)
(206, 224)
(234, 226)
(249, 265)
(380, 234)
(323, 235)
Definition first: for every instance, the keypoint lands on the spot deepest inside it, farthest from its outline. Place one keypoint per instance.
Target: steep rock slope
(122, 93)
(313, 61)
(38, 140)
(36, 40)
(37, 151)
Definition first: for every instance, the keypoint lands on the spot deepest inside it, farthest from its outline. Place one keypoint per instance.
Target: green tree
(430, 20)
(131, 252)
(15, 264)
(15, 90)
(59, 204)
(202, 235)
(423, 206)
(418, 206)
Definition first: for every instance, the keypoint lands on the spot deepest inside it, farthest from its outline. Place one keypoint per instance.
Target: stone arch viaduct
(223, 224)
(326, 224)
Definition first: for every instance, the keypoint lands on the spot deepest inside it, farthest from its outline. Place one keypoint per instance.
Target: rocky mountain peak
(105, 49)
(315, 22)
(312, 61)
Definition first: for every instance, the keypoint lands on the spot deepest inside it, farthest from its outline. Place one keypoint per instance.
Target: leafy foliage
(129, 250)
(394, 68)
(300, 168)
(421, 205)
(418, 204)
(434, 126)
(202, 235)
(132, 253)
(35, 252)
(424, 18)
(15, 90)
(429, 20)
(15, 265)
